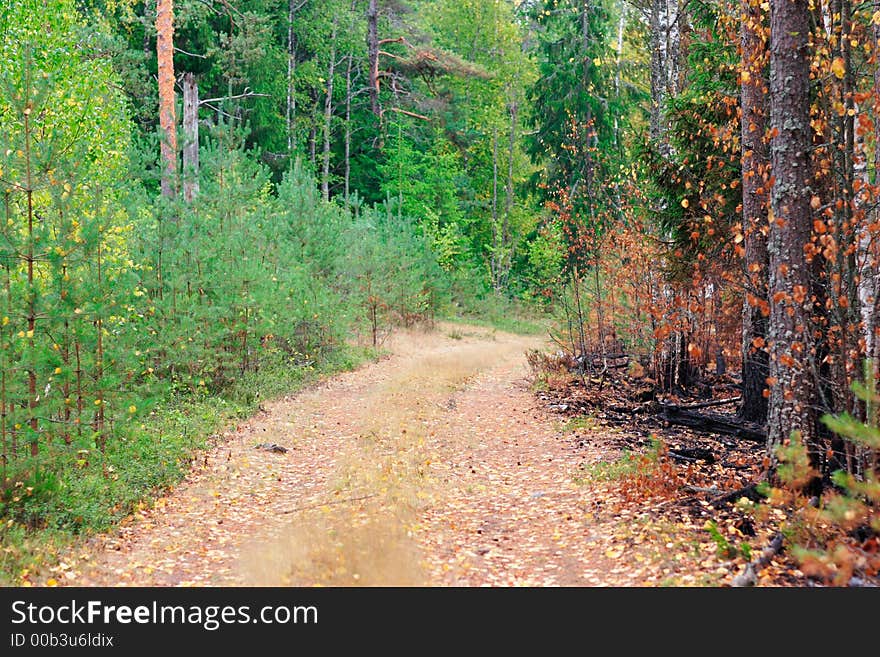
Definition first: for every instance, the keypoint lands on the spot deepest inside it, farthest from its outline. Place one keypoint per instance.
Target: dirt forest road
(432, 466)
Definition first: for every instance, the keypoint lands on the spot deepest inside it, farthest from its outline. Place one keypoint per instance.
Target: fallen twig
(714, 490)
(713, 423)
(749, 575)
(750, 491)
(320, 504)
(692, 454)
(705, 404)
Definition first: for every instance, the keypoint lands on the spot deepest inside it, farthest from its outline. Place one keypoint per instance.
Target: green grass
(75, 491)
(498, 312)
(624, 466)
(516, 321)
(615, 470)
(586, 422)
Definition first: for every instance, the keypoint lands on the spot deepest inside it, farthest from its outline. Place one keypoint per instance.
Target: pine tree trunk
(30, 260)
(100, 435)
(792, 386)
(190, 137)
(755, 176)
(5, 456)
(4, 366)
(167, 109)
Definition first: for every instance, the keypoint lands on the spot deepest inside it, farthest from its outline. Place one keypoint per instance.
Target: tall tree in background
(666, 20)
(570, 93)
(373, 54)
(573, 105)
(792, 386)
(755, 178)
(167, 108)
(482, 116)
(191, 137)
(328, 115)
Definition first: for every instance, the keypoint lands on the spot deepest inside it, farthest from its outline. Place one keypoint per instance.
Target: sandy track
(433, 466)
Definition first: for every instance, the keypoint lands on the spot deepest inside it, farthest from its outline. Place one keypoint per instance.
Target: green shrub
(838, 536)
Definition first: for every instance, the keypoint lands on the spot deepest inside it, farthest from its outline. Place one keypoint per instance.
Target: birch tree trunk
(658, 64)
(872, 323)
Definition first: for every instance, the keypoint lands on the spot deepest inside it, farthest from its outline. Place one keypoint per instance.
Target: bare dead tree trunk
(373, 54)
(167, 109)
(399, 171)
(496, 241)
(313, 134)
(290, 108)
(506, 238)
(600, 321)
(792, 387)
(755, 176)
(347, 189)
(495, 174)
(328, 116)
(190, 137)
(576, 283)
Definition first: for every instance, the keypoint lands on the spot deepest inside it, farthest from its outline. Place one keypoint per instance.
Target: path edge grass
(160, 448)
